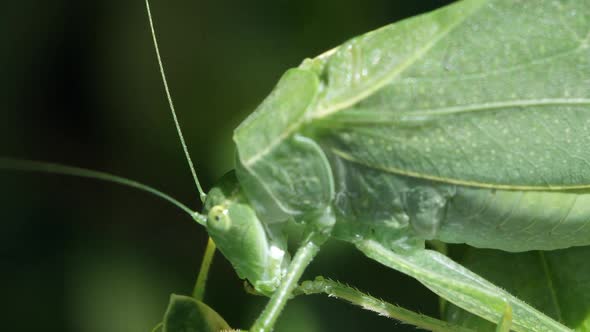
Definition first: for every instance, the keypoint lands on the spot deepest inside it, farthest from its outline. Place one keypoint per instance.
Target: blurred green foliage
(80, 86)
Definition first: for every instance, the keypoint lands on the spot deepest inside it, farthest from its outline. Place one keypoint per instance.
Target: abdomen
(371, 201)
(517, 220)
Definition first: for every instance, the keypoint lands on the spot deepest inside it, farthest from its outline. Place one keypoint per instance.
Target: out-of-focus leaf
(185, 314)
(555, 282)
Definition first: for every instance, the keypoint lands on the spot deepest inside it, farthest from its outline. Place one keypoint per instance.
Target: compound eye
(218, 218)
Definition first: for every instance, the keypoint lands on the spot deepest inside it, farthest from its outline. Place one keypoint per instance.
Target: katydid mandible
(445, 126)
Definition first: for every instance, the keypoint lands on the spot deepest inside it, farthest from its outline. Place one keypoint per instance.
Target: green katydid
(371, 143)
(399, 136)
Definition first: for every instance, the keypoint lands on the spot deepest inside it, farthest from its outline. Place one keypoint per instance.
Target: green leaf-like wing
(483, 93)
(282, 172)
(185, 314)
(555, 282)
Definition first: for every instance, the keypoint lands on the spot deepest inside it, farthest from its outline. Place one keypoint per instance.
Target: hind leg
(462, 287)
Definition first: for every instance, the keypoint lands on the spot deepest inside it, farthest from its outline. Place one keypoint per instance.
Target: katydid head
(230, 220)
(241, 236)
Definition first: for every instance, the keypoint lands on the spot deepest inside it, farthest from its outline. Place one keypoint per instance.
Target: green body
(469, 124)
(382, 130)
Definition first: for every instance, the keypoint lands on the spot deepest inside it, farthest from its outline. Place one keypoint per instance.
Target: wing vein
(395, 170)
(397, 71)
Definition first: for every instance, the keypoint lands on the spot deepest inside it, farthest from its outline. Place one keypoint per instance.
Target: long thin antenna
(44, 167)
(202, 194)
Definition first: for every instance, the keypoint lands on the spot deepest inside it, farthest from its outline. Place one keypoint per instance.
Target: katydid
(465, 125)
(375, 144)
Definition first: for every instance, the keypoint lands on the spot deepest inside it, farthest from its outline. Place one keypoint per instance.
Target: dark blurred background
(80, 86)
